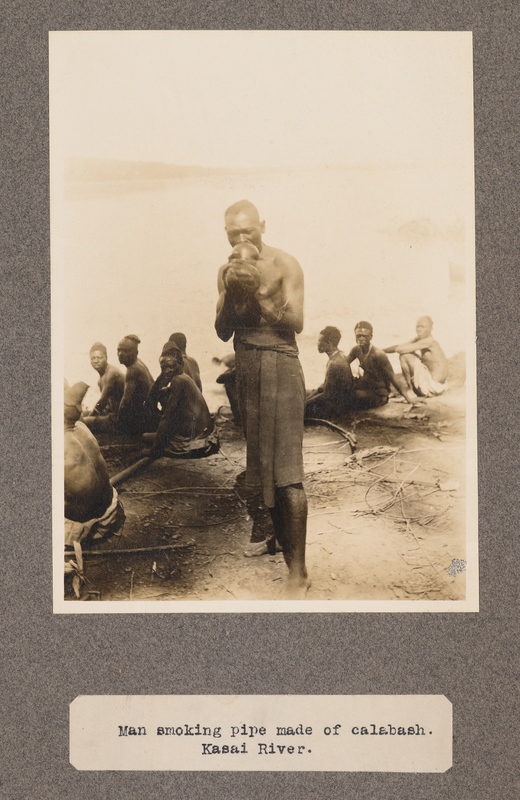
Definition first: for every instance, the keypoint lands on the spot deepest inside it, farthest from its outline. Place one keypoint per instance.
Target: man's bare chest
(270, 277)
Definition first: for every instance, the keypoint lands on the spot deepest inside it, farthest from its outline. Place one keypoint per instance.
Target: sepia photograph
(263, 321)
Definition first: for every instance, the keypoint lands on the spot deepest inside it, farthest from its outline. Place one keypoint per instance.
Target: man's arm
(195, 372)
(397, 381)
(150, 404)
(317, 392)
(225, 319)
(352, 355)
(410, 347)
(166, 428)
(110, 387)
(131, 384)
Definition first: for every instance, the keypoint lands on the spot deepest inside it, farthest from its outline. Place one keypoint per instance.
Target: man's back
(138, 382)
(87, 486)
(191, 368)
(338, 377)
(432, 355)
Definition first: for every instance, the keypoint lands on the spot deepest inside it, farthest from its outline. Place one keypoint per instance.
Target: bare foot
(260, 549)
(296, 588)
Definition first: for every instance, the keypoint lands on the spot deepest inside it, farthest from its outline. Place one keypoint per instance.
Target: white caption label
(358, 733)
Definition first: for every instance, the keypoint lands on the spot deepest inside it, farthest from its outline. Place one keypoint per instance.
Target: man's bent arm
(128, 394)
(166, 427)
(397, 381)
(410, 347)
(225, 319)
(104, 397)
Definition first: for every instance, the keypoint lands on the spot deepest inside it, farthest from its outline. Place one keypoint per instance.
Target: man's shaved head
(243, 207)
(243, 224)
(428, 320)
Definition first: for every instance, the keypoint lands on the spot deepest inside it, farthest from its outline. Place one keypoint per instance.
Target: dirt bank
(386, 523)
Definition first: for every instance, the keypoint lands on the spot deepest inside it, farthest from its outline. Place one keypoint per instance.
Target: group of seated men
(364, 378)
(170, 412)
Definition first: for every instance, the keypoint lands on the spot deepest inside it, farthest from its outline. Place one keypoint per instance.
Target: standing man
(270, 380)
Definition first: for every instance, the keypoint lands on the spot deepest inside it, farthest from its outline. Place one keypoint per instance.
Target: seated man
(138, 382)
(111, 382)
(376, 375)
(185, 428)
(190, 366)
(92, 508)
(330, 399)
(129, 417)
(424, 365)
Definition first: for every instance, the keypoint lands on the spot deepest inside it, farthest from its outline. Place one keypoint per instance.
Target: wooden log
(124, 550)
(126, 473)
(351, 439)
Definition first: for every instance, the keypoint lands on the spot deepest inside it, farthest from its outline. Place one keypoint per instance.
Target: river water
(377, 243)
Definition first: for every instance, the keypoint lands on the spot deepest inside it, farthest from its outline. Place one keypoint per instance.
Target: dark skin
(363, 339)
(184, 413)
(111, 384)
(338, 381)
(87, 485)
(280, 300)
(138, 382)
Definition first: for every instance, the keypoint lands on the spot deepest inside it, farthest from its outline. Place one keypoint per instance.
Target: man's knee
(284, 489)
(292, 498)
(407, 359)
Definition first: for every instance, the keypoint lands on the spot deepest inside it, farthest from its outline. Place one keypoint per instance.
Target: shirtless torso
(87, 486)
(432, 356)
(280, 297)
(424, 348)
(138, 382)
(111, 384)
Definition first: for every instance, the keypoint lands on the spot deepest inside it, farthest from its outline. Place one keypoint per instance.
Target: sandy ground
(385, 523)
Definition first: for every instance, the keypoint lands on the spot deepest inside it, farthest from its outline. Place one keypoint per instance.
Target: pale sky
(262, 98)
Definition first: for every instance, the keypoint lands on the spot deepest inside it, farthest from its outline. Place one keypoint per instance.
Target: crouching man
(185, 428)
(93, 510)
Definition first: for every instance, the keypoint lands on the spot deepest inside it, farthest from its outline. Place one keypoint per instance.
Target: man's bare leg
(290, 523)
(263, 537)
(407, 361)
